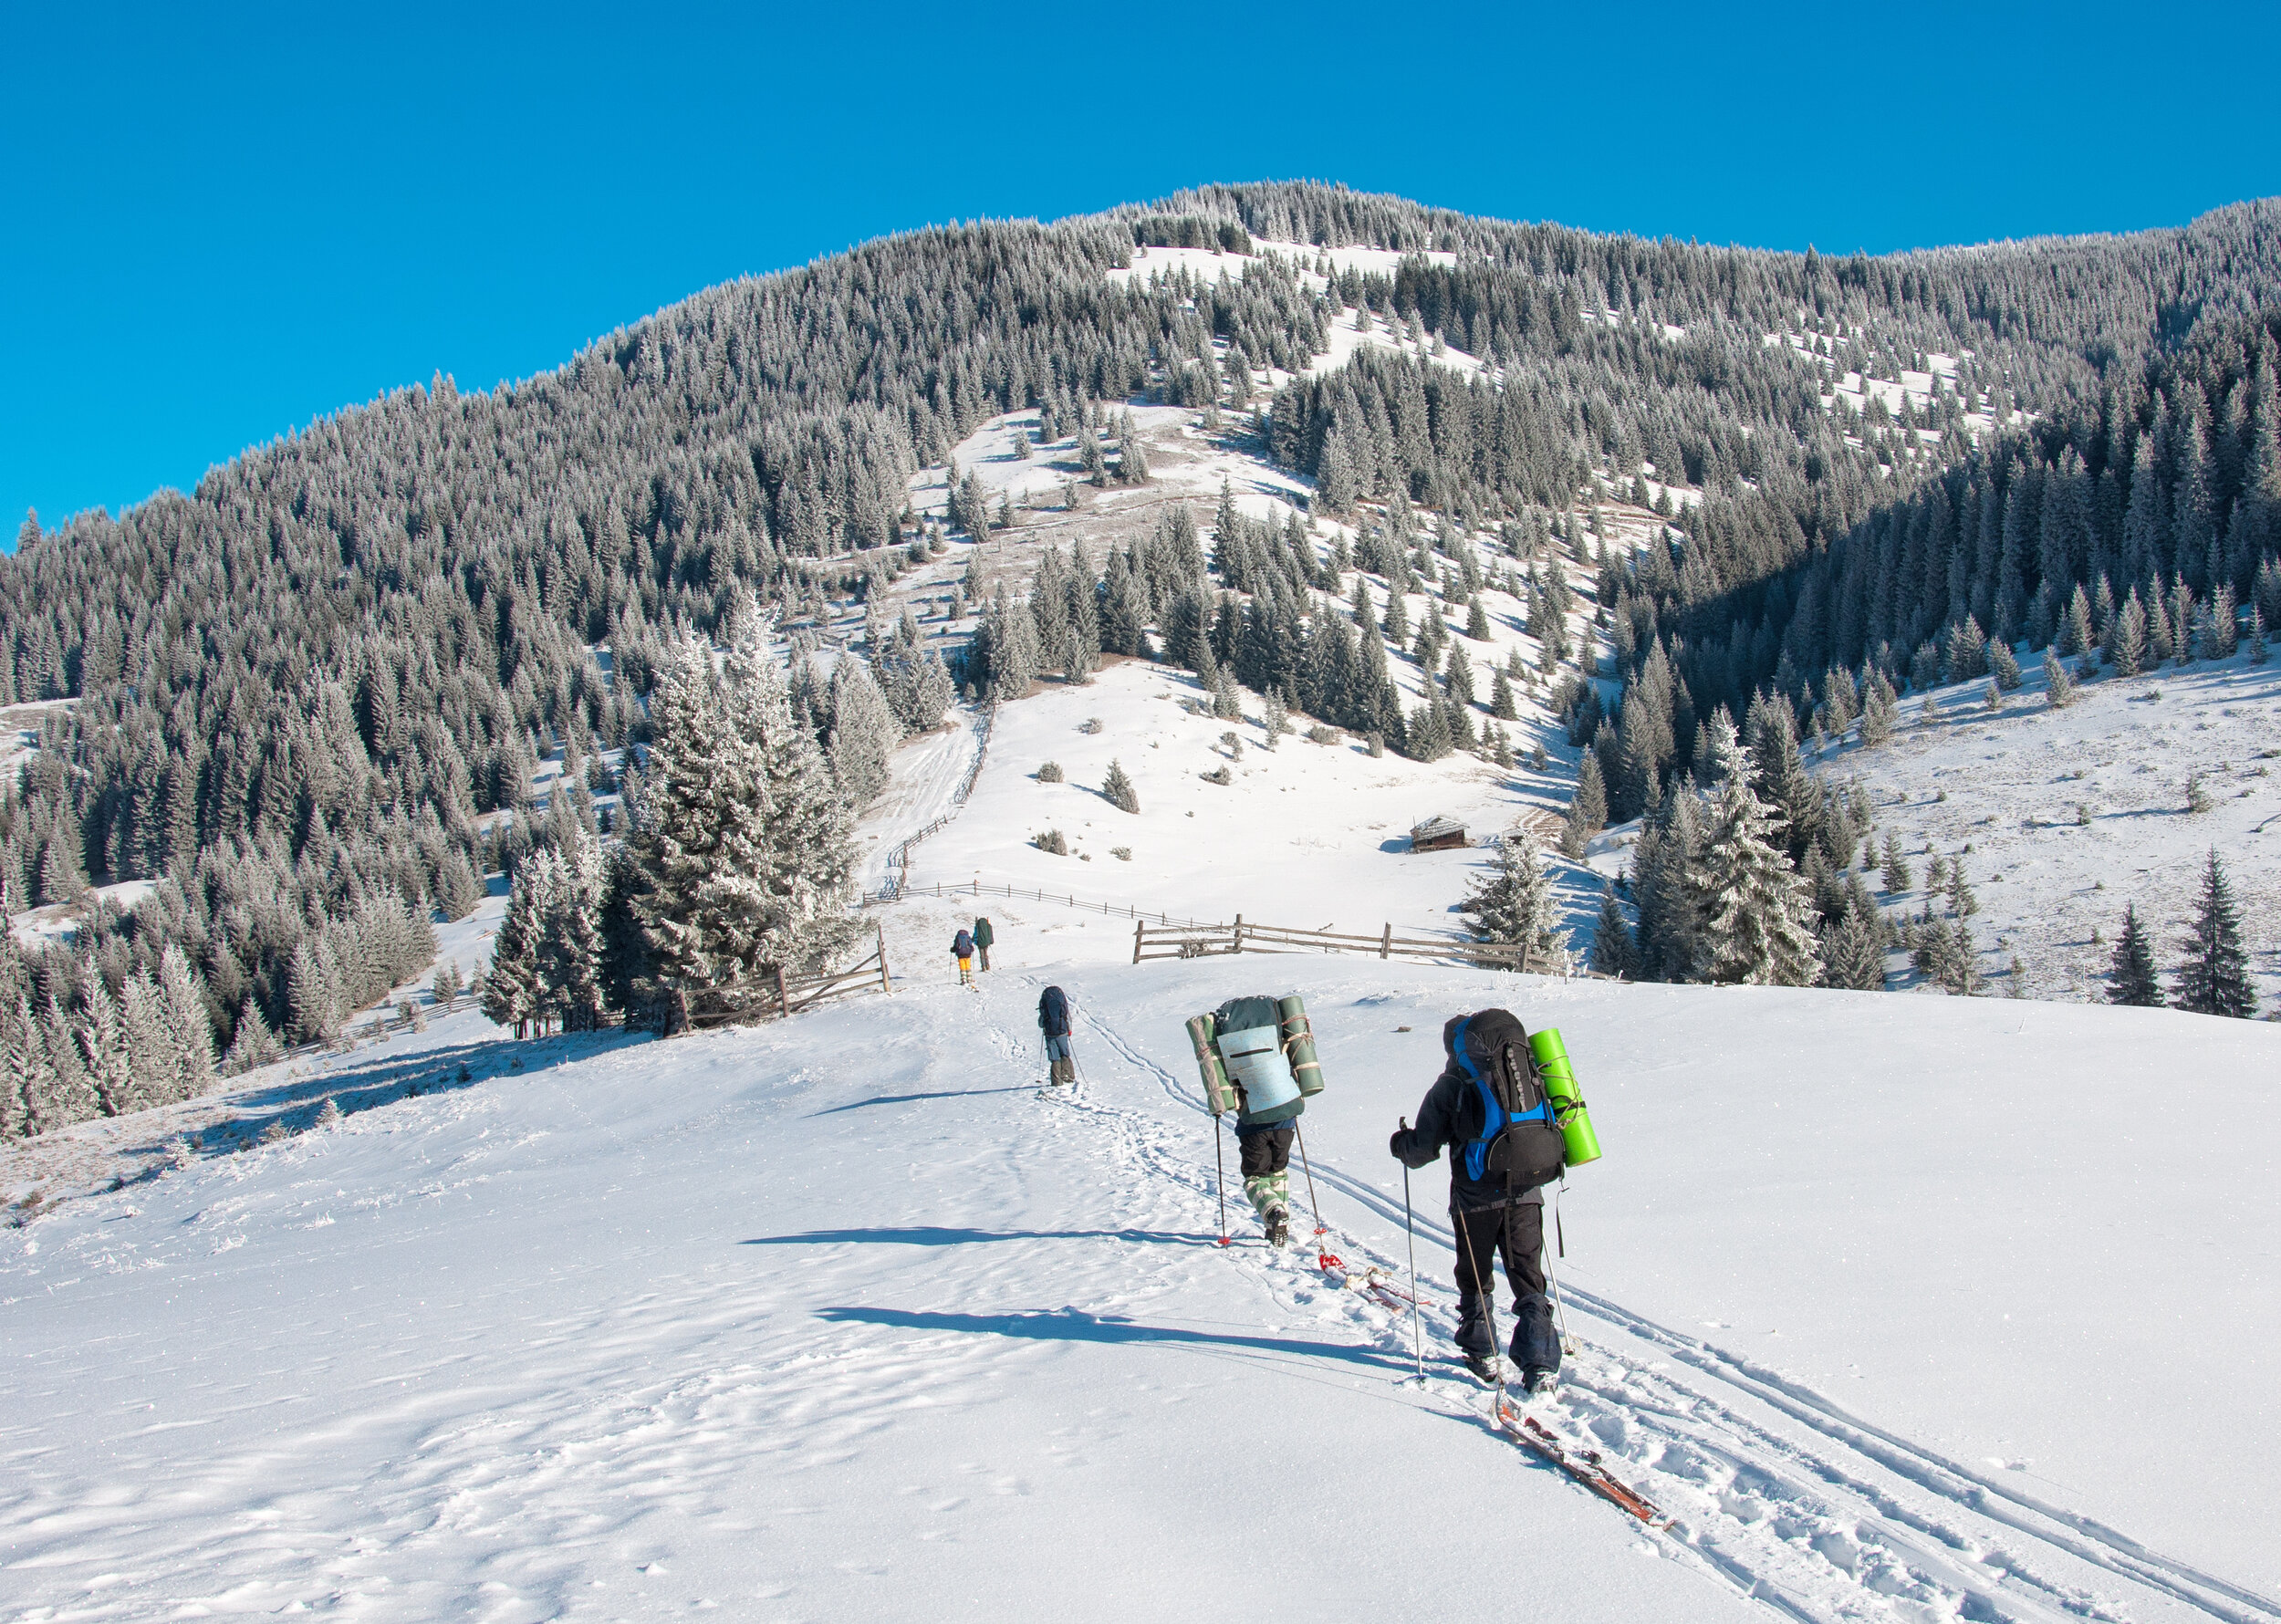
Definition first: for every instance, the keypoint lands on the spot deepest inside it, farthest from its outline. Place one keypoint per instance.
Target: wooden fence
(899, 856)
(1193, 942)
(974, 887)
(776, 997)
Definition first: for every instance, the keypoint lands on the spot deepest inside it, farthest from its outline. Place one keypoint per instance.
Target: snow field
(2009, 785)
(834, 1317)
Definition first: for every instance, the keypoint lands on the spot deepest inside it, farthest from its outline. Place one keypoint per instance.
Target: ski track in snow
(1818, 1513)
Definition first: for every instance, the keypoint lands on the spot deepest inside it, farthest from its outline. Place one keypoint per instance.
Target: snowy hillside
(2064, 817)
(1906, 1309)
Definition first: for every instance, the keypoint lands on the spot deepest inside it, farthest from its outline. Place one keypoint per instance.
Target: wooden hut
(1437, 833)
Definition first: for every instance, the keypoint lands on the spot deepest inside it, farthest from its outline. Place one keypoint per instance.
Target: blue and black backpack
(1515, 1144)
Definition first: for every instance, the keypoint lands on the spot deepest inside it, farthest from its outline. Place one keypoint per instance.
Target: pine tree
(1756, 907)
(188, 1027)
(1587, 809)
(2137, 981)
(1896, 874)
(513, 993)
(153, 1066)
(2212, 977)
(1852, 956)
(1512, 905)
(570, 947)
(2058, 687)
(253, 1044)
(1118, 791)
(864, 732)
(1615, 952)
(1502, 704)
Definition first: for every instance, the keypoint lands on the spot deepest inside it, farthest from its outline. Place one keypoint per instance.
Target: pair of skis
(1579, 1461)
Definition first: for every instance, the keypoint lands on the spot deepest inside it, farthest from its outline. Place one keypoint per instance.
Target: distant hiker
(1250, 1036)
(962, 950)
(983, 937)
(1053, 1020)
(1488, 1107)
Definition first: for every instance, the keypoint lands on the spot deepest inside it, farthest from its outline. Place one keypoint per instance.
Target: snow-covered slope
(1908, 1309)
(2064, 817)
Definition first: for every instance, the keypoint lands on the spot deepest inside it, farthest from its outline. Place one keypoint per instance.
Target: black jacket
(1449, 1114)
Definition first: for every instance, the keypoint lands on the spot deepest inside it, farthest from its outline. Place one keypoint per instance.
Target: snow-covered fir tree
(1615, 952)
(1755, 909)
(2134, 978)
(2213, 976)
(1514, 905)
(1117, 790)
(864, 732)
(743, 836)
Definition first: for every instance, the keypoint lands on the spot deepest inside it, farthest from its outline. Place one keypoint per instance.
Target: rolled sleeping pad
(1299, 1044)
(1256, 1067)
(1568, 1103)
(1218, 1092)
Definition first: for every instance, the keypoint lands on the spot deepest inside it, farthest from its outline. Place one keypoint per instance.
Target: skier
(1271, 1103)
(1053, 1020)
(962, 950)
(983, 937)
(1488, 1108)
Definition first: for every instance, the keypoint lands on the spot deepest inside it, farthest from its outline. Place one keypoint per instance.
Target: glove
(1393, 1143)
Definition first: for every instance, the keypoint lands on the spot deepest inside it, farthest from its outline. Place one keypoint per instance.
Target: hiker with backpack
(1489, 1109)
(962, 950)
(983, 937)
(1250, 1039)
(1053, 1020)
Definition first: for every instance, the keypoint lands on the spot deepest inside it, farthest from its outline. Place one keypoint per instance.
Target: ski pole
(1410, 1233)
(1567, 1342)
(1219, 1157)
(1323, 1258)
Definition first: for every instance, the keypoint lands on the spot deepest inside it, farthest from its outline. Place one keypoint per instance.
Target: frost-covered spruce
(1513, 904)
(513, 994)
(2058, 687)
(1588, 809)
(1117, 790)
(1615, 952)
(1755, 905)
(864, 732)
(2213, 976)
(2134, 977)
(1852, 955)
(742, 835)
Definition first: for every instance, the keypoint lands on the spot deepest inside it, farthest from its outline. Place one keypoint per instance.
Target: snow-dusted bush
(1050, 773)
(1052, 841)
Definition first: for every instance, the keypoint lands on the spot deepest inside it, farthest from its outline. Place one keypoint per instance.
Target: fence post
(1140, 927)
(1386, 942)
(1525, 947)
(884, 987)
(784, 1000)
(1239, 933)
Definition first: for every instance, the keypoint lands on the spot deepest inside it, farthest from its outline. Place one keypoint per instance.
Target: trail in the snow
(1799, 1504)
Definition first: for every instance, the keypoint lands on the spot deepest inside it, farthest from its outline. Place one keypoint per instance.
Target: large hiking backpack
(1053, 1013)
(1516, 1146)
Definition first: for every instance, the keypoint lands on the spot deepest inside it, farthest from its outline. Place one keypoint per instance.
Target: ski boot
(1483, 1365)
(1278, 1227)
(1537, 1383)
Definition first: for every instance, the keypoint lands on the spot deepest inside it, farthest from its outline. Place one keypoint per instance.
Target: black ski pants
(1518, 1231)
(1263, 1151)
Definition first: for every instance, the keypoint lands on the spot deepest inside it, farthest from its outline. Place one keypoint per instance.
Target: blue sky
(219, 227)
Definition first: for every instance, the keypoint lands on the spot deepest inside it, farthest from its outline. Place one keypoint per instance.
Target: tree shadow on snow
(1070, 1325)
(858, 1105)
(928, 1236)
